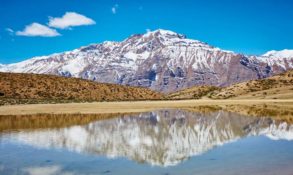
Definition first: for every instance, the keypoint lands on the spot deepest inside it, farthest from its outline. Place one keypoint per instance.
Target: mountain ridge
(161, 60)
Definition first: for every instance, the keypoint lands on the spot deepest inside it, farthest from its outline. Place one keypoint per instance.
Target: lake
(163, 142)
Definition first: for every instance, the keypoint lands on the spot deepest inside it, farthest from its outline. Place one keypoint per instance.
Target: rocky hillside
(160, 60)
(33, 88)
(276, 87)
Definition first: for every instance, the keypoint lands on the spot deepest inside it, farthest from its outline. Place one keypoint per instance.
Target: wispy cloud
(36, 29)
(70, 19)
(148, 30)
(10, 31)
(114, 8)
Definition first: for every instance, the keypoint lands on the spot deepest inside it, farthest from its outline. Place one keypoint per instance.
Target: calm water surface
(162, 142)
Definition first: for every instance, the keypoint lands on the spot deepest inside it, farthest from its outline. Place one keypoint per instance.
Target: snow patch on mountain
(286, 53)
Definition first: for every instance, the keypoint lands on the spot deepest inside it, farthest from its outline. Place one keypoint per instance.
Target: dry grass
(127, 107)
(285, 92)
(32, 88)
(44, 89)
(37, 121)
(276, 87)
(195, 92)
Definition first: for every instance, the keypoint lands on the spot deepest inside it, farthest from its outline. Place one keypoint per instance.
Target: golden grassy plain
(134, 106)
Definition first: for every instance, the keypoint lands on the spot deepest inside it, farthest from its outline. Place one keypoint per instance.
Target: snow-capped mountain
(161, 60)
(279, 54)
(162, 138)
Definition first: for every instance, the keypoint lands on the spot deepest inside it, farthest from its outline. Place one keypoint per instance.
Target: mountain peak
(163, 32)
(286, 53)
(166, 33)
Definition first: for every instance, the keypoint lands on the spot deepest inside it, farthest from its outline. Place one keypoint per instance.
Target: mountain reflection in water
(162, 138)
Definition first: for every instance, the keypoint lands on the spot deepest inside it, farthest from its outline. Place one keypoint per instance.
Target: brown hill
(195, 92)
(34, 88)
(275, 87)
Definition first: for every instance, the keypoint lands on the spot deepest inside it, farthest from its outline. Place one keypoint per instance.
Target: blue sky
(246, 26)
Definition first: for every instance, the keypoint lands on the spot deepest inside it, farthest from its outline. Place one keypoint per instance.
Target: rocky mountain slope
(34, 88)
(276, 87)
(161, 60)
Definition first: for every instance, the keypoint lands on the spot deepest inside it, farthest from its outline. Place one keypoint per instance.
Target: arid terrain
(275, 87)
(271, 96)
(195, 92)
(270, 107)
(33, 88)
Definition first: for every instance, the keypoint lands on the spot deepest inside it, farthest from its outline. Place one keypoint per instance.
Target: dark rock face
(160, 60)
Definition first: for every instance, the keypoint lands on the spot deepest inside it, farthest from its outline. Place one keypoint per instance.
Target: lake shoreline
(131, 106)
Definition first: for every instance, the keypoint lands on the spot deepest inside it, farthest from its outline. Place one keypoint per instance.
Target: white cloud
(50, 170)
(148, 30)
(36, 29)
(46, 170)
(70, 19)
(114, 8)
